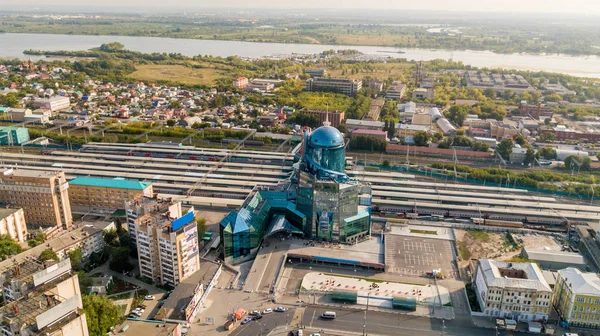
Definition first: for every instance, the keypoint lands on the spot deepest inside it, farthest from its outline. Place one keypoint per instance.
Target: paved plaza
(415, 256)
(379, 293)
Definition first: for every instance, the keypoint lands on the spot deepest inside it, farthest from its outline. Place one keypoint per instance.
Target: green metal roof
(110, 183)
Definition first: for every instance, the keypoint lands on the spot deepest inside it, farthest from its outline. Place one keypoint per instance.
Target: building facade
(334, 117)
(49, 300)
(106, 193)
(11, 135)
(167, 242)
(396, 91)
(240, 82)
(516, 291)
(326, 195)
(349, 87)
(577, 298)
(56, 103)
(12, 223)
(43, 195)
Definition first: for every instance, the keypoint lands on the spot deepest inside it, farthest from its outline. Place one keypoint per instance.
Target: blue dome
(326, 136)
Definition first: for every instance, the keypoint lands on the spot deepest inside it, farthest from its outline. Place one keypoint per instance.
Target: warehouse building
(554, 260)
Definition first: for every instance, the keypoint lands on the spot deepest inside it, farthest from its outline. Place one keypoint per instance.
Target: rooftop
(183, 293)
(147, 328)
(513, 275)
(118, 183)
(7, 212)
(581, 283)
(556, 256)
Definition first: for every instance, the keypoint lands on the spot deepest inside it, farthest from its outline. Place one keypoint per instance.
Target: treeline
(546, 180)
(362, 142)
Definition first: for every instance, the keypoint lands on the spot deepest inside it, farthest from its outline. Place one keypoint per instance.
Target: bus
(328, 315)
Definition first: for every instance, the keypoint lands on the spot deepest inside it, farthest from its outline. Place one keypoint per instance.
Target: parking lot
(414, 256)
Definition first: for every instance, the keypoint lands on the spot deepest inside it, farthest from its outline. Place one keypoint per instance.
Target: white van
(328, 315)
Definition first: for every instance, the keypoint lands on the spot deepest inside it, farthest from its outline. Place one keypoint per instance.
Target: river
(13, 46)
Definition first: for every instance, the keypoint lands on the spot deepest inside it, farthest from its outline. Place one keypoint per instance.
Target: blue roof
(110, 183)
(327, 136)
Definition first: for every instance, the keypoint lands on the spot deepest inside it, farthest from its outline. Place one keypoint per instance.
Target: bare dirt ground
(473, 244)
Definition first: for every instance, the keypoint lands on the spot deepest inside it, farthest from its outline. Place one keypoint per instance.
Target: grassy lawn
(424, 232)
(177, 74)
(479, 235)
(123, 309)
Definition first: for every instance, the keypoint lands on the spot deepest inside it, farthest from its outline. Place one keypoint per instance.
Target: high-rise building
(577, 298)
(12, 223)
(336, 206)
(43, 195)
(42, 300)
(329, 205)
(166, 239)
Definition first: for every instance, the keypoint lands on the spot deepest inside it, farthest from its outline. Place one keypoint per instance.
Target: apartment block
(105, 192)
(240, 82)
(577, 298)
(516, 291)
(315, 72)
(349, 87)
(43, 195)
(44, 300)
(12, 223)
(334, 117)
(166, 239)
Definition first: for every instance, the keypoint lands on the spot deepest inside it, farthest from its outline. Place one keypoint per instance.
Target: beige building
(512, 290)
(12, 223)
(105, 192)
(49, 300)
(166, 240)
(349, 87)
(43, 195)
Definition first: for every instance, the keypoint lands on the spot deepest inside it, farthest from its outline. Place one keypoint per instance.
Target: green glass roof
(110, 183)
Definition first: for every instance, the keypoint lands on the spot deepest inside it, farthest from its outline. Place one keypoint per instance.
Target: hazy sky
(591, 7)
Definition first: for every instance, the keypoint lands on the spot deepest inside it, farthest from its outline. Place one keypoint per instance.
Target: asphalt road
(265, 325)
(391, 324)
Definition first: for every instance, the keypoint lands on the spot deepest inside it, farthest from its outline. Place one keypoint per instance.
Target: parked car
(149, 297)
(267, 311)
(254, 313)
(246, 320)
(257, 316)
(280, 309)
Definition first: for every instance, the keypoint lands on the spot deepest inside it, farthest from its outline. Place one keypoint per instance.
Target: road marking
(313, 318)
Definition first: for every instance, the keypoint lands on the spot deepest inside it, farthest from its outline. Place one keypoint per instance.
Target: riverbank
(15, 44)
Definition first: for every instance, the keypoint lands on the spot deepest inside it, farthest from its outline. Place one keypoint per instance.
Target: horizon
(539, 7)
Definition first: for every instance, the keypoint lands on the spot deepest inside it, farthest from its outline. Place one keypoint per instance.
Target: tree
(520, 140)
(458, 114)
(547, 153)
(480, 146)
(342, 128)
(201, 226)
(100, 314)
(598, 155)
(171, 122)
(76, 257)
(547, 121)
(119, 260)
(547, 137)
(460, 131)
(529, 156)
(505, 148)
(421, 138)
(85, 281)
(111, 47)
(8, 247)
(584, 162)
(490, 93)
(48, 254)
(386, 163)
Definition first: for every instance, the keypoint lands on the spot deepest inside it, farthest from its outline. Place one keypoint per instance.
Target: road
(265, 325)
(390, 324)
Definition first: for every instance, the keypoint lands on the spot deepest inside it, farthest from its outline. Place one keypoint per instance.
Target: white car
(317, 334)
(267, 311)
(279, 309)
(149, 297)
